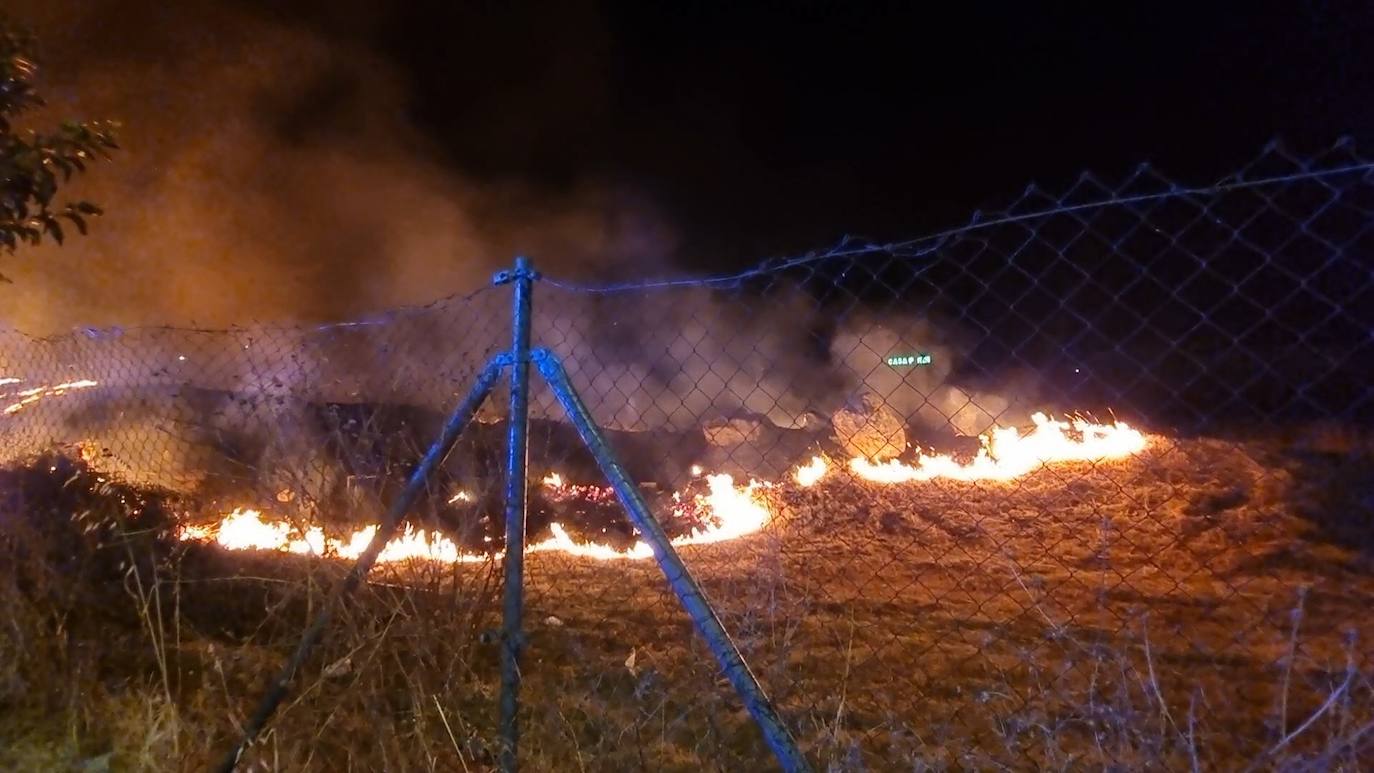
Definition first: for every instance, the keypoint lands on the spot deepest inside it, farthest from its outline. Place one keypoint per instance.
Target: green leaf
(35, 166)
(76, 219)
(53, 227)
(44, 186)
(65, 165)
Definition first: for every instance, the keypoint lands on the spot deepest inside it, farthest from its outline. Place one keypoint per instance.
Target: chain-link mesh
(1088, 482)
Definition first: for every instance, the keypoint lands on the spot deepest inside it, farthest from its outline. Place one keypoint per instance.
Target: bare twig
(1288, 661)
(1300, 729)
(1192, 734)
(457, 749)
(1165, 716)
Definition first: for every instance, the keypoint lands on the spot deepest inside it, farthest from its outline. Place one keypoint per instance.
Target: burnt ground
(1204, 605)
(1132, 614)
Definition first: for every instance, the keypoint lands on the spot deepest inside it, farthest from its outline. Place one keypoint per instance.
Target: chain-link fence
(1087, 482)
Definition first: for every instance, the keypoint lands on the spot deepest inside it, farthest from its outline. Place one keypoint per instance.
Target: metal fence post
(512, 635)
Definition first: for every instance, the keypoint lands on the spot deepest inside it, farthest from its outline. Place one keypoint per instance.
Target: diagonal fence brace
(688, 591)
(453, 428)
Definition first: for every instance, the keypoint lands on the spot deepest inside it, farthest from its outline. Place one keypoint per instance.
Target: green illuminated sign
(908, 360)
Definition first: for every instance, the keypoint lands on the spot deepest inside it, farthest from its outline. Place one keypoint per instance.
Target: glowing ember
(1007, 454)
(461, 496)
(697, 471)
(560, 491)
(30, 396)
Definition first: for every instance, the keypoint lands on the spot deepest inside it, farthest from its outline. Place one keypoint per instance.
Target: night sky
(773, 127)
(317, 160)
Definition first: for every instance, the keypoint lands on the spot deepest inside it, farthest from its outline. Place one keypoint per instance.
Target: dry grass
(1203, 607)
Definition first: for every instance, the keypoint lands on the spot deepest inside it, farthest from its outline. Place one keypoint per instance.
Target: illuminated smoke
(269, 176)
(269, 173)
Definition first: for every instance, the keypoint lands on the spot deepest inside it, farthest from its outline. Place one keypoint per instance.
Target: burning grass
(1186, 608)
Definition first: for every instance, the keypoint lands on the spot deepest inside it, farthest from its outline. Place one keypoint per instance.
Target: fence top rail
(384, 317)
(1143, 185)
(851, 247)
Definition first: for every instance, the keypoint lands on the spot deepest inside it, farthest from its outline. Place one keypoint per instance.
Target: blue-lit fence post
(512, 635)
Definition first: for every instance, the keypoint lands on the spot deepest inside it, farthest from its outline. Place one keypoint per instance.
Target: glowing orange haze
(734, 510)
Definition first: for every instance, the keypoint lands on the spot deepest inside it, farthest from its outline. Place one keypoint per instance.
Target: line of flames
(736, 510)
(34, 394)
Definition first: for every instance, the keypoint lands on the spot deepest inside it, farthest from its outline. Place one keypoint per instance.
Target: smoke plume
(270, 181)
(269, 173)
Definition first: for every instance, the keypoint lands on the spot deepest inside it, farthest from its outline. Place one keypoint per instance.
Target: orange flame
(1007, 454)
(808, 474)
(738, 511)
